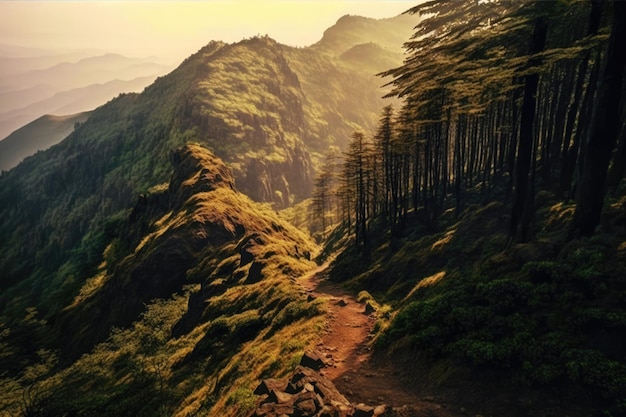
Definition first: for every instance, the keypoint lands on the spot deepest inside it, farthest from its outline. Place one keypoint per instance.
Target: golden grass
(426, 282)
(89, 288)
(272, 312)
(447, 237)
(162, 225)
(261, 358)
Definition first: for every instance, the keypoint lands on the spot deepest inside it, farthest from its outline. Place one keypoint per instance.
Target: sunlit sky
(174, 29)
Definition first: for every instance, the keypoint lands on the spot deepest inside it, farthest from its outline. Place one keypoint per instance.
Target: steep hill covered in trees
(488, 211)
(191, 305)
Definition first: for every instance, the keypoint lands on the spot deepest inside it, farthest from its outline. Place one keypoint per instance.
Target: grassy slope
(226, 311)
(536, 328)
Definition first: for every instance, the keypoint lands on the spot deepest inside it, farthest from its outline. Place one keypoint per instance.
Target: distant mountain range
(32, 86)
(70, 102)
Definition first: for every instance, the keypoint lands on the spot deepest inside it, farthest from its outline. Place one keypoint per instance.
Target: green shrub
(534, 323)
(242, 397)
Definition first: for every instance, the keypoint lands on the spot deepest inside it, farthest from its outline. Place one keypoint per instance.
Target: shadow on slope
(535, 329)
(195, 301)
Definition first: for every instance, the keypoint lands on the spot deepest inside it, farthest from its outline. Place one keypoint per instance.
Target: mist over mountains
(34, 83)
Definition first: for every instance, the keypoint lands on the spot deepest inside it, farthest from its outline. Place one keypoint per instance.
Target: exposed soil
(346, 346)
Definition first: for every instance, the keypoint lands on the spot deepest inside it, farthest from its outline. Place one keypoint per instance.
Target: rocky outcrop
(158, 255)
(307, 393)
(197, 170)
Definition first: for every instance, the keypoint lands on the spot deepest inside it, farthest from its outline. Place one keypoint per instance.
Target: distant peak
(350, 30)
(259, 40)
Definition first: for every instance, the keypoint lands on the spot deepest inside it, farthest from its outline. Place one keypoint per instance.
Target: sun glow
(175, 28)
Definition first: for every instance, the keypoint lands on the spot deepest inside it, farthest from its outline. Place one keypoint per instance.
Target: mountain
(128, 258)
(68, 102)
(198, 285)
(91, 70)
(36, 60)
(37, 136)
(147, 267)
(9, 99)
(350, 30)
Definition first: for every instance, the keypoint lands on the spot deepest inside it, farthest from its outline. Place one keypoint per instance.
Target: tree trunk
(618, 167)
(570, 153)
(520, 217)
(603, 132)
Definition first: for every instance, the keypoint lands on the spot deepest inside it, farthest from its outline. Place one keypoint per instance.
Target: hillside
(36, 136)
(484, 218)
(459, 249)
(463, 316)
(191, 305)
(112, 232)
(253, 103)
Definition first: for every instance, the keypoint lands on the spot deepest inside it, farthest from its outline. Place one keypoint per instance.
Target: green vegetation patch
(542, 314)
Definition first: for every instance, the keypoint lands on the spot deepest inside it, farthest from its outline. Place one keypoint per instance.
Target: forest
(488, 209)
(524, 97)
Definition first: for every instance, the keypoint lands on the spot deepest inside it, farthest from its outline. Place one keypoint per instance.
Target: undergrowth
(550, 313)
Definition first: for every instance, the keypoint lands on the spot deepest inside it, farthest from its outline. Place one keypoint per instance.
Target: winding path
(345, 344)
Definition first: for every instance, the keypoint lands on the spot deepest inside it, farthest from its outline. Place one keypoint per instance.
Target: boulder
(280, 397)
(268, 385)
(313, 361)
(308, 394)
(362, 410)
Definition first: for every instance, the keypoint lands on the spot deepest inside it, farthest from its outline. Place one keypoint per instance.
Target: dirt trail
(346, 344)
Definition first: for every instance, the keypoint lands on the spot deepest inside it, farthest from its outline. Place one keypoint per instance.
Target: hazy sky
(174, 29)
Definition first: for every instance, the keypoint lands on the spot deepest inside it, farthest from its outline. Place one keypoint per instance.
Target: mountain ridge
(123, 148)
(195, 259)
